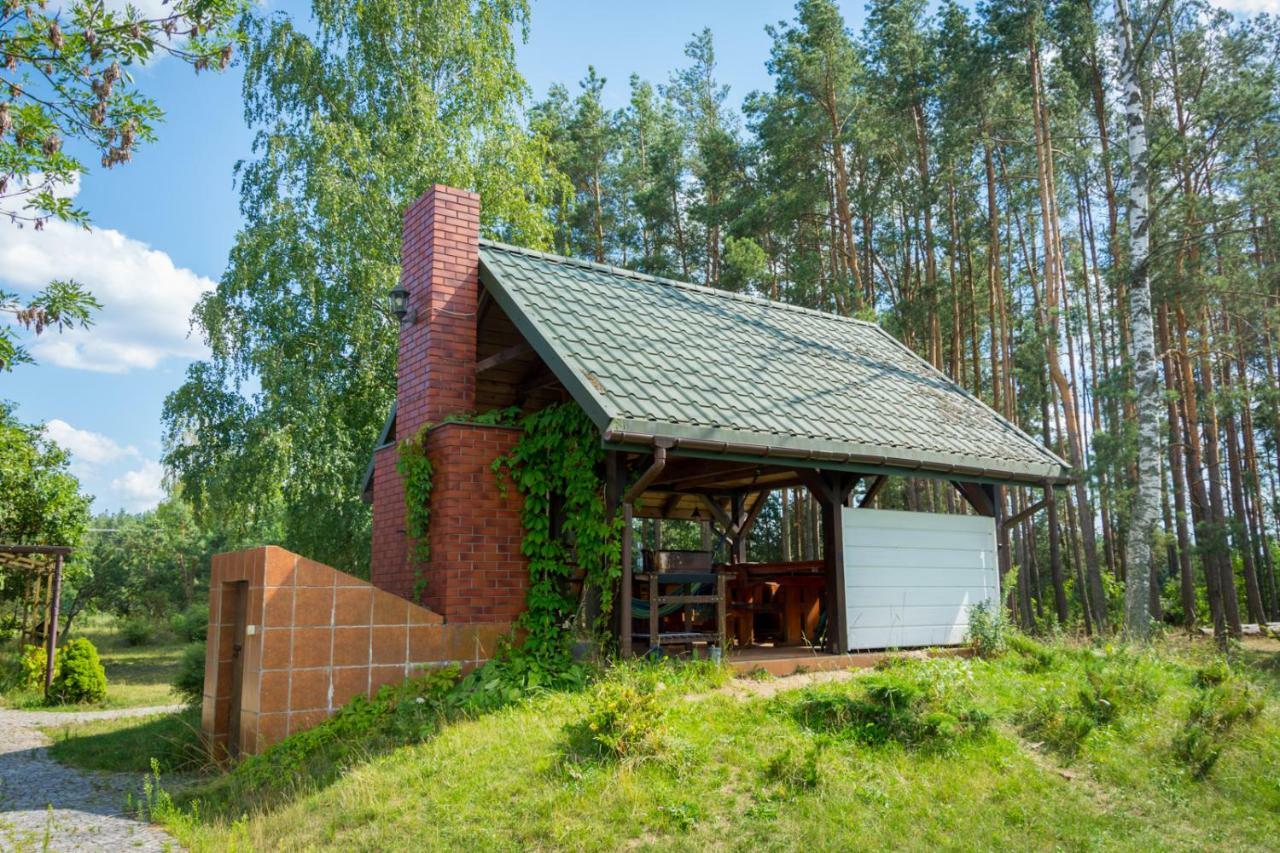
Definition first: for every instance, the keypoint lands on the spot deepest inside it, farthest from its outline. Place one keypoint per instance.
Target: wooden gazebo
(41, 568)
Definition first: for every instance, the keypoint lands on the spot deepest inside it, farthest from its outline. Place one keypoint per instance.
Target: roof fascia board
(818, 465)
(583, 393)
(827, 456)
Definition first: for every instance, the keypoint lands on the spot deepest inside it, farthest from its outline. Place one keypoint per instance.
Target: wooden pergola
(42, 565)
(729, 494)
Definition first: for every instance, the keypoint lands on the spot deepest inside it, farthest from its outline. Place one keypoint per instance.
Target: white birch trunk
(1142, 526)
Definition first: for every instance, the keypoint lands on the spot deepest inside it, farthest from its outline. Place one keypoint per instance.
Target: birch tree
(1142, 525)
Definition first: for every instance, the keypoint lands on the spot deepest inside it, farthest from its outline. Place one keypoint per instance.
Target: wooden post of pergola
(45, 560)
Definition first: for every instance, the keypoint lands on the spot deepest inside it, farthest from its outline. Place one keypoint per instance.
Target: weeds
(1222, 701)
(1103, 688)
(913, 703)
(988, 629)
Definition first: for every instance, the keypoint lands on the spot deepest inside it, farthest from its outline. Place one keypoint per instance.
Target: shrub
(1215, 711)
(793, 770)
(1033, 656)
(1058, 722)
(80, 676)
(191, 624)
(988, 629)
(514, 674)
(189, 681)
(138, 630)
(30, 667)
(1111, 685)
(1212, 674)
(911, 704)
(625, 720)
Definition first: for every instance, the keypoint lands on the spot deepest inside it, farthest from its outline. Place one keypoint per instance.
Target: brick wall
(476, 572)
(390, 568)
(313, 637)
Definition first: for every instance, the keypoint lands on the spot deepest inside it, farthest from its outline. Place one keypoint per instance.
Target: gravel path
(46, 806)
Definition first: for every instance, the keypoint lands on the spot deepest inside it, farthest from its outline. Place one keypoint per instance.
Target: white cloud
(142, 488)
(146, 298)
(86, 446)
(1249, 7)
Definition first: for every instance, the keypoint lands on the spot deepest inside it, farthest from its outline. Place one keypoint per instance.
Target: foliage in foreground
(930, 750)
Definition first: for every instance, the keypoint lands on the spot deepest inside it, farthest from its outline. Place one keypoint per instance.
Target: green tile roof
(709, 370)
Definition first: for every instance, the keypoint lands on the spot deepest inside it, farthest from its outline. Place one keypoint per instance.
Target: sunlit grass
(742, 772)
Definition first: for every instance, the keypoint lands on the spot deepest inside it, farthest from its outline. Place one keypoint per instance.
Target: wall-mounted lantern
(398, 298)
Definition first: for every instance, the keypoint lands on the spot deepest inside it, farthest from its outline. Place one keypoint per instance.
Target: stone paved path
(73, 809)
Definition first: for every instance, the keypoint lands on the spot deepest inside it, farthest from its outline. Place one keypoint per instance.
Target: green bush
(988, 629)
(1109, 685)
(138, 630)
(23, 669)
(793, 771)
(192, 624)
(189, 682)
(1215, 711)
(29, 667)
(1033, 656)
(913, 703)
(80, 676)
(625, 720)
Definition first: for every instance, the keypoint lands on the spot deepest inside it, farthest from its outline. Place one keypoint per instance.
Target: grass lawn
(993, 756)
(129, 744)
(137, 676)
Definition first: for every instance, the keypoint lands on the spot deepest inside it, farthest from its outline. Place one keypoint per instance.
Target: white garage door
(912, 577)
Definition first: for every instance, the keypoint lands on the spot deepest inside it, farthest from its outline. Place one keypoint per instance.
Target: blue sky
(165, 222)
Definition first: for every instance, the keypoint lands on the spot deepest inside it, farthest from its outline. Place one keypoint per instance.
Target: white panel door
(912, 577)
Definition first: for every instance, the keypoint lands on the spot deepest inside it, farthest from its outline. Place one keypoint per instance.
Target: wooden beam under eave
(502, 357)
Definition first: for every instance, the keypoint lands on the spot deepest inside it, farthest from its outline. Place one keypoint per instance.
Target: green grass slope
(1043, 747)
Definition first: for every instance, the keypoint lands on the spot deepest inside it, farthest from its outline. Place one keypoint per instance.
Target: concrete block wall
(315, 637)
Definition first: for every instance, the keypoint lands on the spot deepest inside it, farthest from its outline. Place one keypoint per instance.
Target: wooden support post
(832, 490)
(624, 599)
(51, 630)
(722, 614)
(654, 593)
(738, 543)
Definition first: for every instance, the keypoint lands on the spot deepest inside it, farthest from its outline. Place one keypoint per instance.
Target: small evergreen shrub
(1216, 710)
(988, 629)
(189, 681)
(192, 624)
(80, 677)
(138, 630)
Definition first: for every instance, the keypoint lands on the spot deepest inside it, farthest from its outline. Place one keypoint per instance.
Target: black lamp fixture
(398, 297)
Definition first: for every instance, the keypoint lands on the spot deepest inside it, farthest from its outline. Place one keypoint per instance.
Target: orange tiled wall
(315, 638)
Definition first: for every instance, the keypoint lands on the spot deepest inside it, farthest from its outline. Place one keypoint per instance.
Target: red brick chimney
(475, 572)
(440, 267)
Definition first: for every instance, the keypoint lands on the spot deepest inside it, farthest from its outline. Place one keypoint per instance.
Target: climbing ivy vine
(558, 459)
(415, 471)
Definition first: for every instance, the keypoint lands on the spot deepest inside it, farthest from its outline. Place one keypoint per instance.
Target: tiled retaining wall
(315, 637)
